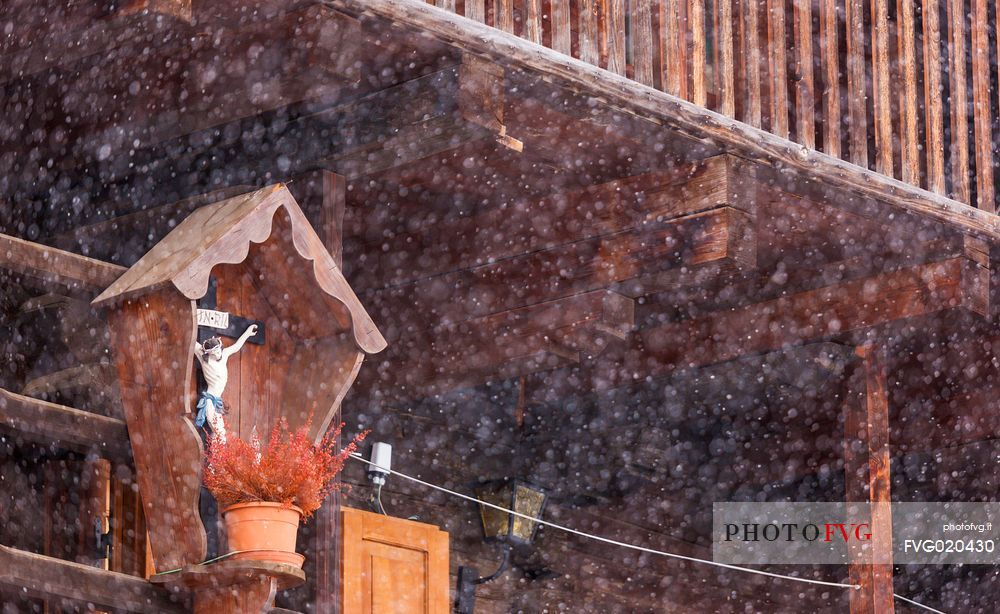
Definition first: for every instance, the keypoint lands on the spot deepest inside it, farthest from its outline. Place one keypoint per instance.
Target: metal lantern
(516, 495)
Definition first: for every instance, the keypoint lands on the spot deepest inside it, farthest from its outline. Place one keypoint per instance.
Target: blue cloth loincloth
(203, 402)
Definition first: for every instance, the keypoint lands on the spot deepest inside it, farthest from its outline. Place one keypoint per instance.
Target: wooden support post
(322, 195)
(866, 468)
(254, 596)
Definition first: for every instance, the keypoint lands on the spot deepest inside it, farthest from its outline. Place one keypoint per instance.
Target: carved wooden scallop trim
(190, 273)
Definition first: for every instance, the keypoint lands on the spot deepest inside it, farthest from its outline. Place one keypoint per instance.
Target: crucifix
(212, 323)
(213, 356)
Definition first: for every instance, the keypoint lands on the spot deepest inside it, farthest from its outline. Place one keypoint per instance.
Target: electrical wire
(378, 498)
(613, 542)
(919, 605)
(209, 561)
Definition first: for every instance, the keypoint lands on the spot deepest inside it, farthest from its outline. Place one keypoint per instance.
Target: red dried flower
(289, 469)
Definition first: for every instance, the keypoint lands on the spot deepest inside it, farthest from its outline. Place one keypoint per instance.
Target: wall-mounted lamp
(507, 529)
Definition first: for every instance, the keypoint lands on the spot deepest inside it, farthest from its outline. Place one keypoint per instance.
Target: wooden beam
(635, 205)
(73, 273)
(813, 315)
(506, 344)
(414, 120)
(633, 98)
(68, 428)
(49, 577)
(61, 46)
(866, 468)
(102, 238)
(633, 261)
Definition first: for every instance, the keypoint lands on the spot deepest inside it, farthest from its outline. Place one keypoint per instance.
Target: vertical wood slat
(981, 106)
(504, 16)
(934, 116)
(448, 5)
(778, 67)
(643, 43)
(909, 145)
(805, 96)
(882, 108)
(588, 32)
(533, 20)
(696, 24)
(561, 26)
(476, 9)
(959, 101)
(614, 31)
(673, 35)
(751, 42)
(724, 68)
(740, 91)
(830, 59)
(857, 114)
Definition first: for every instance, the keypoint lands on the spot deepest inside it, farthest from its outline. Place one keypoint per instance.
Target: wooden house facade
(647, 254)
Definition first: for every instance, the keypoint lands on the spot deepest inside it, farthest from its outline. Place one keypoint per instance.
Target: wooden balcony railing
(907, 88)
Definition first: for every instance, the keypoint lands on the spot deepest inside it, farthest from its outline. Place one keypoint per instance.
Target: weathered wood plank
(503, 15)
(589, 31)
(533, 21)
(857, 86)
(934, 113)
(673, 37)
(726, 64)
(54, 266)
(644, 41)
(909, 141)
(476, 9)
(68, 427)
(778, 67)
(696, 25)
(830, 59)
(805, 97)
(882, 107)
(981, 99)
(613, 12)
(959, 101)
(50, 577)
(751, 42)
(562, 28)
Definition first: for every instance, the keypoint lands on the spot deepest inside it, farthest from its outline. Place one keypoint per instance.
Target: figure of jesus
(212, 357)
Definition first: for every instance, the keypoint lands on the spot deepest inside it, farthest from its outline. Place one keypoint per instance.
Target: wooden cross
(212, 322)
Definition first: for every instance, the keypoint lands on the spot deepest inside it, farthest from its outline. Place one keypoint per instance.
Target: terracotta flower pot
(265, 531)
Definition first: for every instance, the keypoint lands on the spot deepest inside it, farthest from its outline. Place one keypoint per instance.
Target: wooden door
(392, 566)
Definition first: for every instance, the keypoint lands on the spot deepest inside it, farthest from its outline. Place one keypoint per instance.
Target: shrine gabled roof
(222, 233)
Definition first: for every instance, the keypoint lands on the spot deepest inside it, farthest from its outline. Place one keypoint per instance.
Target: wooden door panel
(392, 565)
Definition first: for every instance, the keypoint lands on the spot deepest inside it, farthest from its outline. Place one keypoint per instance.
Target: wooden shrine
(260, 256)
